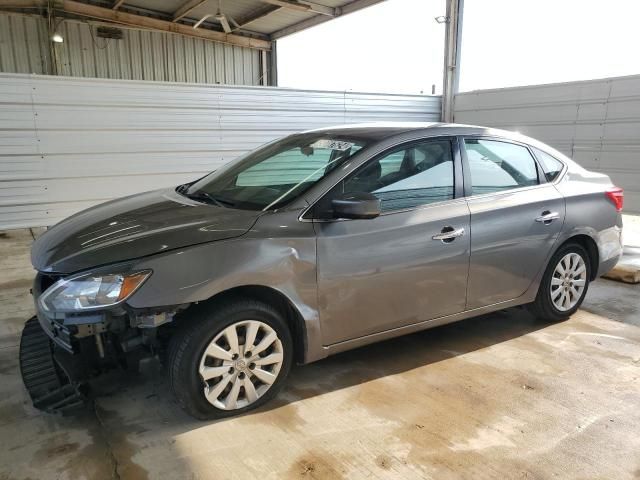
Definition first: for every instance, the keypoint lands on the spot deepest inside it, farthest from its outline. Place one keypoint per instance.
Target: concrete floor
(500, 396)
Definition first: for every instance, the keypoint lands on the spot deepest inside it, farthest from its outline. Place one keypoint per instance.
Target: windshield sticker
(332, 144)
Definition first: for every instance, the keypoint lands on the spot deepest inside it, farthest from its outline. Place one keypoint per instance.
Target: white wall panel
(596, 122)
(68, 143)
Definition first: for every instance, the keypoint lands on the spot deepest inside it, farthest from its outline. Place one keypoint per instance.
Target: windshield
(276, 173)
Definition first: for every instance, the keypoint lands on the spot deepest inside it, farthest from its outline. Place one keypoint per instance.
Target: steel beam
(273, 65)
(186, 8)
(304, 6)
(124, 18)
(451, 74)
(269, 10)
(318, 19)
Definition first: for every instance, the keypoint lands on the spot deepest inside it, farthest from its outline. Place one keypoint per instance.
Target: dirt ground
(499, 396)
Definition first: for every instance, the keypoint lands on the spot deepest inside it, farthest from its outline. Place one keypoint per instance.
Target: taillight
(616, 195)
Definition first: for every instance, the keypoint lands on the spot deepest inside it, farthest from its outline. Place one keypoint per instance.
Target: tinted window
(550, 165)
(285, 168)
(496, 166)
(276, 173)
(402, 179)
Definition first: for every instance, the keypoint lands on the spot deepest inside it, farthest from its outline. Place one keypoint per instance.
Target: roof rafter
(244, 21)
(22, 4)
(130, 19)
(186, 8)
(303, 6)
(318, 19)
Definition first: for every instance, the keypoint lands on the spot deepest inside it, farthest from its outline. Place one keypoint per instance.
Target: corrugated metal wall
(68, 143)
(23, 44)
(596, 122)
(139, 55)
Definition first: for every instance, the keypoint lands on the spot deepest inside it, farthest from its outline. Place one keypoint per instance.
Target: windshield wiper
(209, 198)
(202, 196)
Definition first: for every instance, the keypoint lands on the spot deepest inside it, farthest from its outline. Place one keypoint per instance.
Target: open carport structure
(252, 25)
(102, 99)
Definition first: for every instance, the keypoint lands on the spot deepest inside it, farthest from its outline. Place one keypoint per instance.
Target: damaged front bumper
(61, 352)
(49, 384)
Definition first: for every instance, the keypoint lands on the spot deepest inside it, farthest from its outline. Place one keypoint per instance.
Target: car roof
(383, 130)
(378, 131)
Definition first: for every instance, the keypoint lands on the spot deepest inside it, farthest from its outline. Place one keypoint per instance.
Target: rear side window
(550, 166)
(495, 166)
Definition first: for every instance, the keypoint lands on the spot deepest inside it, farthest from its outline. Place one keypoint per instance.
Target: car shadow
(406, 353)
(144, 399)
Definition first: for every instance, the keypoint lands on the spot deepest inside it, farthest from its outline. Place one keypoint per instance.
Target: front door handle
(449, 234)
(547, 217)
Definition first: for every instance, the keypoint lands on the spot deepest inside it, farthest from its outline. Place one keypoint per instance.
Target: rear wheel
(231, 359)
(564, 284)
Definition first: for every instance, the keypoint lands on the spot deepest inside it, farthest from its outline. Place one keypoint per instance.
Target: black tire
(188, 345)
(543, 307)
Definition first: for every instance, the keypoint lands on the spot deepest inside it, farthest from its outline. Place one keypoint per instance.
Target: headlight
(91, 291)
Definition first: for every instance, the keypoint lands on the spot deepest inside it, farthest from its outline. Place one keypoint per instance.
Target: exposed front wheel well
(589, 244)
(271, 297)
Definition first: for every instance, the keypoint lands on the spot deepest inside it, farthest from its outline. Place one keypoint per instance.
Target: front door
(399, 268)
(516, 219)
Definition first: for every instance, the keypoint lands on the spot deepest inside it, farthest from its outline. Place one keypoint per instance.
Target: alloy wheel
(568, 281)
(240, 364)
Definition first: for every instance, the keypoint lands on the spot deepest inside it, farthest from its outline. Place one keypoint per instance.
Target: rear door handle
(547, 217)
(449, 234)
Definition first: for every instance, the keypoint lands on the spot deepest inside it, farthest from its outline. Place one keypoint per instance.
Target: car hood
(134, 227)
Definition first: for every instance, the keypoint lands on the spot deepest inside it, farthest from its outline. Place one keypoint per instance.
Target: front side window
(404, 178)
(276, 173)
(495, 166)
(550, 166)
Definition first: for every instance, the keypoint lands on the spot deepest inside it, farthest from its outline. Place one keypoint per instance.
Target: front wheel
(230, 359)
(564, 284)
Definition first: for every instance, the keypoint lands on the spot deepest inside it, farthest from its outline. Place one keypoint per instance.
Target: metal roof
(250, 23)
(272, 18)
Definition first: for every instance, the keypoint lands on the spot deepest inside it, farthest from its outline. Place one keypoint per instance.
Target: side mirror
(356, 205)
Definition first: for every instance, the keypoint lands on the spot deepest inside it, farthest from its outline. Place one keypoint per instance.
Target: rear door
(516, 218)
(387, 272)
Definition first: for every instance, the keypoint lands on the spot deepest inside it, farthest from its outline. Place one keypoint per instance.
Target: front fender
(277, 253)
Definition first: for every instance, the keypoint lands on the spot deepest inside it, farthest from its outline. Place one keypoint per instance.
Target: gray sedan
(316, 243)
